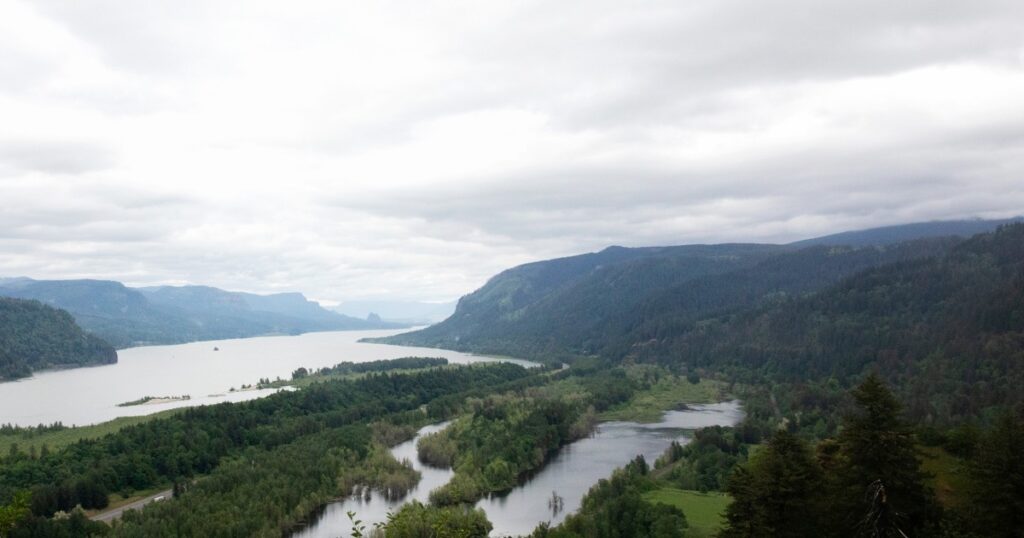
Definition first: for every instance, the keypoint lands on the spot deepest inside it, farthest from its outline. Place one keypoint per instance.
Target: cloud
(412, 149)
(52, 157)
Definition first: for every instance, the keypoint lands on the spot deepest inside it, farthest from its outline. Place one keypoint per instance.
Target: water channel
(570, 473)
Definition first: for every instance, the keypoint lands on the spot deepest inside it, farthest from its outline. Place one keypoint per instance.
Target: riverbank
(668, 393)
(155, 400)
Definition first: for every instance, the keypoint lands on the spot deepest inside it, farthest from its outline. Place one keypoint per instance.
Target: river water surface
(571, 473)
(90, 395)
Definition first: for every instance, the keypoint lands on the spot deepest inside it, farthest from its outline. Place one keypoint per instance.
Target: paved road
(110, 515)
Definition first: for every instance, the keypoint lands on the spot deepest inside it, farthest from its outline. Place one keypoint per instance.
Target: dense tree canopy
(35, 336)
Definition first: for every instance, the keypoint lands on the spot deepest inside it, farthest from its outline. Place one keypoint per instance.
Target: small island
(155, 400)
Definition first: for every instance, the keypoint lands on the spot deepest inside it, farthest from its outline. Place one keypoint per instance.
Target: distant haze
(410, 150)
(410, 311)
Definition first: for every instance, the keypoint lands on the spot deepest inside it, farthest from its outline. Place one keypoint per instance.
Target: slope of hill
(126, 317)
(120, 315)
(608, 308)
(556, 306)
(603, 303)
(888, 235)
(246, 314)
(942, 319)
(35, 336)
(948, 331)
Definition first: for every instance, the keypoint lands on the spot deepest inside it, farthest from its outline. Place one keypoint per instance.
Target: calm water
(90, 395)
(334, 520)
(571, 473)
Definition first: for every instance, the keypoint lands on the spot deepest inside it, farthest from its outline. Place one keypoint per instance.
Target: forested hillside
(612, 306)
(940, 318)
(947, 331)
(529, 310)
(35, 336)
(126, 316)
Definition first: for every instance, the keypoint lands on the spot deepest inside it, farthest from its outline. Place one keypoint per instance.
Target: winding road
(115, 513)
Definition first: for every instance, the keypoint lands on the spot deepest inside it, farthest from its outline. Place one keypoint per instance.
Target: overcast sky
(356, 150)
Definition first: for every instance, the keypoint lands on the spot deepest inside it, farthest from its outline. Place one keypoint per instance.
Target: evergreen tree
(881, 486)
(997, 476)
(779, 494)
(741, 515)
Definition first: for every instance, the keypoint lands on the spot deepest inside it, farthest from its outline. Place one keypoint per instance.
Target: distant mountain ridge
(34, 336)
(414, 312)
(127, 317)
(597, 303)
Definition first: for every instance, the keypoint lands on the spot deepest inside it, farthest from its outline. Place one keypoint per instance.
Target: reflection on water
(334, 521)
(578, 466)
(554, 491)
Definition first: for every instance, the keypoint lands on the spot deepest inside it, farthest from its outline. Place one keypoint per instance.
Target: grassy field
(705, 512)
(668, 393)
(949, 476)
(62, 438)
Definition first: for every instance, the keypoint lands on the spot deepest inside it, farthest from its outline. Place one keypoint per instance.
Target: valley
(773, 377)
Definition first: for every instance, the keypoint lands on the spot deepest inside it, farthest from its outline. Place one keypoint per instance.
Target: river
(90, 395)
(570, 473)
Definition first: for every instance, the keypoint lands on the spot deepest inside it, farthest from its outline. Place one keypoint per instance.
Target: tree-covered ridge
(947, 332)
(522, 311)
(34, 336)
(383, 365)
(619, 305)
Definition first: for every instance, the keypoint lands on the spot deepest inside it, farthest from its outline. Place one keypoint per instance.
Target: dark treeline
(385, 365)
(194, 442)
(35, 336)
(29, 432)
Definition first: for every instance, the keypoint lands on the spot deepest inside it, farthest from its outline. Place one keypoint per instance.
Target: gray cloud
(413, 149)
(52, 157)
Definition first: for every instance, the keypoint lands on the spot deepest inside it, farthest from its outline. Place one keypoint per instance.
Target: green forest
(34, 336)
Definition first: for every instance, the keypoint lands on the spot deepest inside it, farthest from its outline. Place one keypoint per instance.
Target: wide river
(89, 395)
(570, 474)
